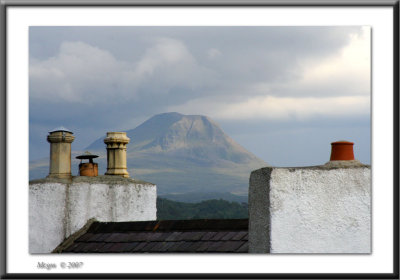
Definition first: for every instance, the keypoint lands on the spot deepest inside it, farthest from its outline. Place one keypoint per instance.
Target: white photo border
(380, 18)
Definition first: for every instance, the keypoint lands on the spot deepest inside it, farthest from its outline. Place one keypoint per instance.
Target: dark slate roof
(175, 236)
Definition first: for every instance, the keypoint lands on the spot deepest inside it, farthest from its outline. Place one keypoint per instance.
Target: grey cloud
(132, 73)
(247, 54)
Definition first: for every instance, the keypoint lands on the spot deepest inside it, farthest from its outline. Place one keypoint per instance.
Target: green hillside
(208, 209)
(195, 197)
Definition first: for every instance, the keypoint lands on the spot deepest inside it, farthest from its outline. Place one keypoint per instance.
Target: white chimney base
(321, 209)
(59, 208)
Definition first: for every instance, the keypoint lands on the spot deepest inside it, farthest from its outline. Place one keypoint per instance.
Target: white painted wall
(47, 208)
(320, 211)
(315, 210)
(57, 210)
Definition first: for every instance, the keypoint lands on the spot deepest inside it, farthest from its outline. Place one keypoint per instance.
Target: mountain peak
(181, 153)
(175, 116)
(168, 115)
(190, 137)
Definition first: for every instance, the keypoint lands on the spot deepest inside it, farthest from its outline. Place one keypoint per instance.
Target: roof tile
(84, 237)
(203, 246)
(71, 248)
(137, 236)
(163, 236)
(95, 247)
(193, 247)
(209, 235)
(102, 237)
(115, 237)
(153, 236)
(148, 247)
(228, 235)
(175, 236)
(105, 248)
(183, 246)
(213, 246)
(80, 247)
(139, 246)
(174, 246)
(157, 247)
(118, 247)
(218, 236)
(239, 235)
(244, 248)
(90, 247)
(229, 246)
(180, 236)
(192, 236)
(129, 246)
(165, 246)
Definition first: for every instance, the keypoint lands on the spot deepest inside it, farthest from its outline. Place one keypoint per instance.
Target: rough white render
(110, 203)
(320, 210)
(57, 210)
(47, 207)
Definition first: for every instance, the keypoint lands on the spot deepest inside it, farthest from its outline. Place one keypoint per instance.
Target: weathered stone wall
(60, 207)
(322, 209)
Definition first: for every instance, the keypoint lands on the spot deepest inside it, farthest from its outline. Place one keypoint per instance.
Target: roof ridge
(71, 239)
(170, 225)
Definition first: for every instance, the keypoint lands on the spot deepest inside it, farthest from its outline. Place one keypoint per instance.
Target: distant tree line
(208, 209)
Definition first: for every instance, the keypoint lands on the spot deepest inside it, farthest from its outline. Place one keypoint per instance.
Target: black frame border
(4, 4)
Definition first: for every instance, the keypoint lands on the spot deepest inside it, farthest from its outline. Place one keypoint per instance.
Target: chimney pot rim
(342, 142)
(61, 128)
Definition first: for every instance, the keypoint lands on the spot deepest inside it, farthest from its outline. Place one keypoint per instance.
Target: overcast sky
(283, 93)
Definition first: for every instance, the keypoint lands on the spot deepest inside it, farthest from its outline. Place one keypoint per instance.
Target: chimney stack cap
(61, 128)
(342, 150)
(87, 155)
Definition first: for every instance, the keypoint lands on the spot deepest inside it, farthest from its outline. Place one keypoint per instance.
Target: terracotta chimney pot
(90, 169)
(342, 150)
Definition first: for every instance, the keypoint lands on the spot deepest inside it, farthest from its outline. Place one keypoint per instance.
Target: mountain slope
(184, 153)
(194, 137)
